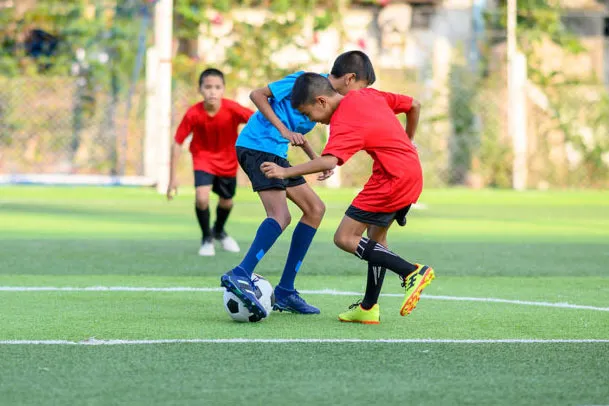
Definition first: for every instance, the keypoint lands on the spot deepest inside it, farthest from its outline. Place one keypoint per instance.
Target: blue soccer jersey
(261, 135)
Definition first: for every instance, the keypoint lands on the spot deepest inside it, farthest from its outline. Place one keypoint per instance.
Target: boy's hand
(272, 170)
(295, 139)
(172, 189)
(325, 174)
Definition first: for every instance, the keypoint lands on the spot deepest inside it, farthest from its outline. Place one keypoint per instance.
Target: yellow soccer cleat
(357, 314)
(414, 284)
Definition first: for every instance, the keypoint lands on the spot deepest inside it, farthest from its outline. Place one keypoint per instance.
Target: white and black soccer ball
(264, 293)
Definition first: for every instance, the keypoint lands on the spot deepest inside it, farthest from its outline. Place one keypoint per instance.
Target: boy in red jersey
(365, 120)
(214, 126)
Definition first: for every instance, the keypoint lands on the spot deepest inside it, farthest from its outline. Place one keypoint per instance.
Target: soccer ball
(264, 293)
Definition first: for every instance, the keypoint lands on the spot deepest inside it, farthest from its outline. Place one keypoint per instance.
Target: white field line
(330, 292)
(93, 341)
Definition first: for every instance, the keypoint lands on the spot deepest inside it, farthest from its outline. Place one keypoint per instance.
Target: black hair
(354, 62)
(210, 72)
(308, 86)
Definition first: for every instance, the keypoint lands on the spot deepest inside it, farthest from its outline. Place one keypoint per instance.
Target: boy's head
(314, 96)
(352, 70)
(211, 86)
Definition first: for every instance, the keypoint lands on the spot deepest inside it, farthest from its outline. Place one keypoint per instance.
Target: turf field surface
(104, 301)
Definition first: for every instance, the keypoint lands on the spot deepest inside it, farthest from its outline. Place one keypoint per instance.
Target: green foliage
(463, 92)
(103, 30)
(583, 116)
(537, 20)
(249, 60)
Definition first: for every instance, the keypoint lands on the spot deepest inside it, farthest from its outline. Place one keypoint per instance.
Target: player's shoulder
(291, 77)
(364, 97)
(230, 104)
(356, 96)
(195, 109)
(369, 92)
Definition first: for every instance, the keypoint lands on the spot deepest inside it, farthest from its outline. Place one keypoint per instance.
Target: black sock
(376, 254)
(221, 217)
(203, 217)
(376, 275)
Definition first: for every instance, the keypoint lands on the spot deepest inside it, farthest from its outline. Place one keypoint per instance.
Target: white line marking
(94, 341)
(105, 289)
(306, 292)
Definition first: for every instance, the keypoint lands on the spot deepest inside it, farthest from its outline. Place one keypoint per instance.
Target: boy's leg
(273, 195)
(225, 189)
(415, 277)
(238, 280)
(376, 273)
(278, 218)
(203, 183)
(313, 209)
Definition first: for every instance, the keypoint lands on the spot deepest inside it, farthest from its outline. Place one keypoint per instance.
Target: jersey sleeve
(344, 142)
(184, 129)
(241, 113)
(283, 87)
(399, 103)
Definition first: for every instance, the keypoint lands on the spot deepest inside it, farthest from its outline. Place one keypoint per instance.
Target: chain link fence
(58, 125)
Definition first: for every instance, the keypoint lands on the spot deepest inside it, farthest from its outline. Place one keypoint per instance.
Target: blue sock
(267, 234)
(301, 240)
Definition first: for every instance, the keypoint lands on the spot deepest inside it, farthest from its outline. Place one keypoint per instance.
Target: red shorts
(386, 195)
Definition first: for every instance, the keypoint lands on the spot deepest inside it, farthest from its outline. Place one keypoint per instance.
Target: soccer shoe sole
(281, 309)
(360, 321)
(255, 308)
(411, 302)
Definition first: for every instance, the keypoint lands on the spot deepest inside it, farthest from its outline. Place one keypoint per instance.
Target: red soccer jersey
(213, 137)
(365, 120)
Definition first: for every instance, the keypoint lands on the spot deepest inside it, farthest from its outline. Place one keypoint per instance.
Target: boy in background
(365, 120)
(214, 124)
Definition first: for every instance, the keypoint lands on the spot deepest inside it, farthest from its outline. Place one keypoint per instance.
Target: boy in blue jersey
(266, 138)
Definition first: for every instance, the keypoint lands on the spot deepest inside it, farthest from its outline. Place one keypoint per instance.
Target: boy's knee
(201, 203)
(341, 241)
(284, 219)
(318, 210)
(226, 204)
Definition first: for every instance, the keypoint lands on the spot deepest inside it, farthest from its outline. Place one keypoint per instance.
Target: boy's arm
(400, 103)
(183, 131)
(242, 113)
(412, 119)
(306, 147)
(172, 188)
(319, 164)
(260, 97)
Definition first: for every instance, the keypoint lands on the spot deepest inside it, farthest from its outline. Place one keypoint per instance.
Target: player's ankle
(281, 291)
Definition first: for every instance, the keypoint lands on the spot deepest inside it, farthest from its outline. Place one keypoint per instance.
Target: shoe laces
(298, 298)
(354, 305)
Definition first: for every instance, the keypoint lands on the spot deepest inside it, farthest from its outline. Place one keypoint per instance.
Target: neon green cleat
(357, 314)
(414, 284)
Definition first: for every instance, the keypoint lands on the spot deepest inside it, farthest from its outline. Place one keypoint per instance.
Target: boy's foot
(207, 248)
(228, 243)
(290, 301)
(357, 314)
(245, 290)
(414, 284)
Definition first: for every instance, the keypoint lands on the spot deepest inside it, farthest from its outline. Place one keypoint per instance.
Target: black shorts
(250, 160)
(378, 219)
(223, 187)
